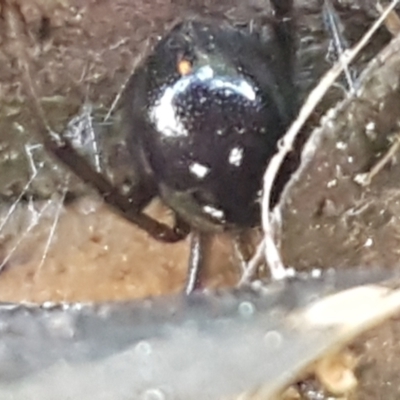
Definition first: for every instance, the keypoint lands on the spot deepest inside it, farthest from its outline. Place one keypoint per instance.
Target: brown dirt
(97, 256)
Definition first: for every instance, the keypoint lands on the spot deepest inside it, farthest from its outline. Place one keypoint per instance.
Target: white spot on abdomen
(236, 156)
(199, 170)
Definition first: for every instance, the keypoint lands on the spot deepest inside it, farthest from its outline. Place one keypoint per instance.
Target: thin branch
(366, 178)
(339, 43)
(392, 21)
(251, 267)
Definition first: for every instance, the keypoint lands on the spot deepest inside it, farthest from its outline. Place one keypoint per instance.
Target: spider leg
(199, 246)
(285, 30)
(125, 206)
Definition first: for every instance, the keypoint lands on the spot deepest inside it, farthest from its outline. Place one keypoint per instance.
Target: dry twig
(366, 178)
(392, 22)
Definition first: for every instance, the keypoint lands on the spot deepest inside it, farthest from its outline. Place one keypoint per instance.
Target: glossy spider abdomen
(206, 111)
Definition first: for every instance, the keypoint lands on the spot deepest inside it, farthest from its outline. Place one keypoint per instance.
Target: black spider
(204, 111)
